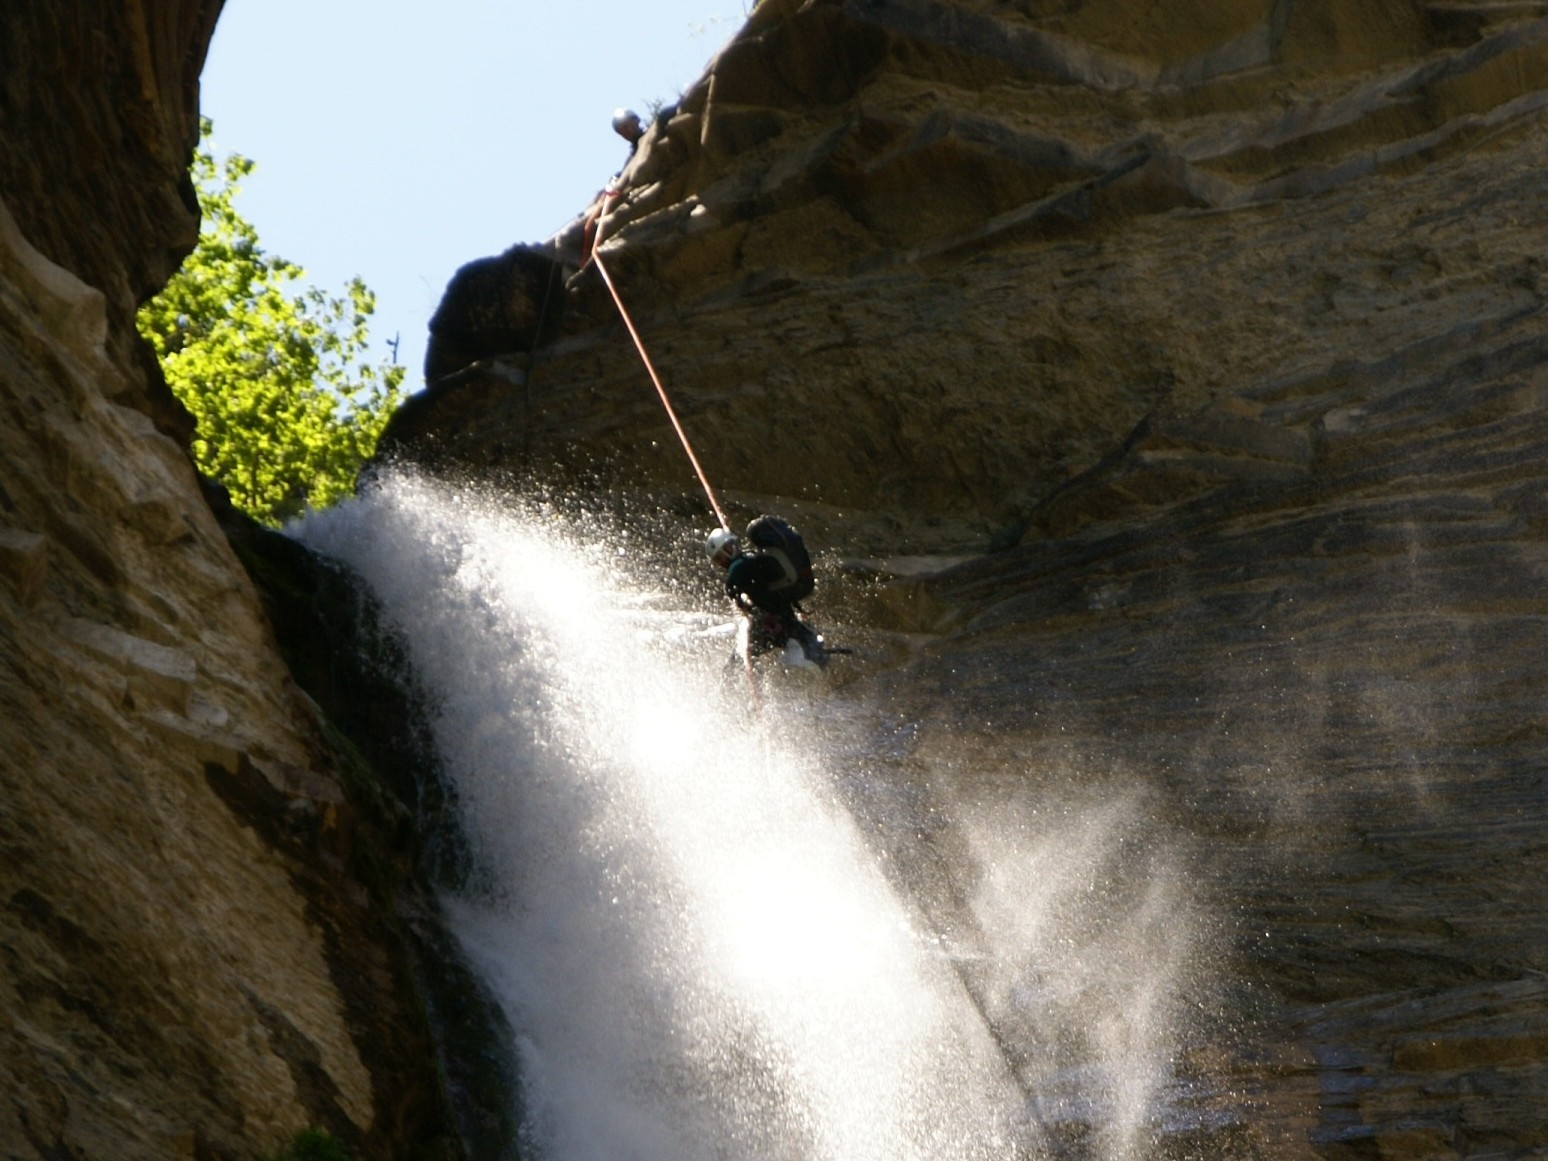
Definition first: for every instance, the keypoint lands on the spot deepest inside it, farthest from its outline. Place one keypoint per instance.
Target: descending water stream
(705, 950)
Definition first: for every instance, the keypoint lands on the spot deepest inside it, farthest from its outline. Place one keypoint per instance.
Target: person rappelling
(767, 581)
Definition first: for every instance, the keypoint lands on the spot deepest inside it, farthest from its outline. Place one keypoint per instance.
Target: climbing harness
(639, 345)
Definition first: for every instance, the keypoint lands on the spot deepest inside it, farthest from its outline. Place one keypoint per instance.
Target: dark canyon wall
(200, 945)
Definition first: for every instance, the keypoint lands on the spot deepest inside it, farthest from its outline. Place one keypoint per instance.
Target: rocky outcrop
(1224, 324)
(1072, 220)
(201, 944)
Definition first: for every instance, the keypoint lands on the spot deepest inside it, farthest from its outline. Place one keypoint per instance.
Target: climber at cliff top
(627, 124)
(767, 582)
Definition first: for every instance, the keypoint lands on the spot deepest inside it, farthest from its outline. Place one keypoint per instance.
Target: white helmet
(721, 546)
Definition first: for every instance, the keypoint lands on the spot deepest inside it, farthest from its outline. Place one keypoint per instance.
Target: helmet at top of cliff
(721, 547)
(626, 123)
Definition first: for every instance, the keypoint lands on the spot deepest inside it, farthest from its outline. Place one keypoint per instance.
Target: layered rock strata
(199, 948)
(1225, 324)
(1055, 231)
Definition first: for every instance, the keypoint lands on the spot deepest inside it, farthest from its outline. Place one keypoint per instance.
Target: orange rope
(639, 345)
(596, 256)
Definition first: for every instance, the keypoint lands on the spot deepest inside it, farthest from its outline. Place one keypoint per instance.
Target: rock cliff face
(1224, 324)
(199, 954)
(1062, 219)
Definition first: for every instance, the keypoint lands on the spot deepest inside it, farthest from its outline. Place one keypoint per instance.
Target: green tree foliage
(287, 409)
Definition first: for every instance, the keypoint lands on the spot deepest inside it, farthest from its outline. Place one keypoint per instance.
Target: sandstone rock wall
(194, 960)
(1226, 323)
(934, 261)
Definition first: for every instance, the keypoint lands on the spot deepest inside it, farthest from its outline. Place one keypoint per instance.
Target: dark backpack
(771, 535)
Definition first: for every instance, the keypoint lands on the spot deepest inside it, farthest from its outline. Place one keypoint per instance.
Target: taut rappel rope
(596, 256)
(639, 345)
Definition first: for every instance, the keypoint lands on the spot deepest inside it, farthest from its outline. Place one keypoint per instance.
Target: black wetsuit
(753, 581)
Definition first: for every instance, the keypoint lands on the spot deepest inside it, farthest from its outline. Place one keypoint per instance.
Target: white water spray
(699, 954)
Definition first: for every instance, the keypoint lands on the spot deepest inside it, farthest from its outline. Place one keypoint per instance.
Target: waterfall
(702, 948)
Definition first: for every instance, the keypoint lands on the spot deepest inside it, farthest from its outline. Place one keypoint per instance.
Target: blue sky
(396, 141)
